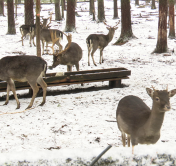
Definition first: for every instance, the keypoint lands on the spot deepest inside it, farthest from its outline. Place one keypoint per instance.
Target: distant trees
(11, 20)
(29, 15)
(70, 20)
(57, 10)
(171, 19)
(115, 10)
(161, 45)
(101, 15)
(126, 29)
(2, 7)
(153, 5)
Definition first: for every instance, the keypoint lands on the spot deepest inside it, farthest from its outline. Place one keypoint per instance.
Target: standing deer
(140, 123)
(27, 29)
(51, 36)
(70, 56)
(23, 68)
(95, 41)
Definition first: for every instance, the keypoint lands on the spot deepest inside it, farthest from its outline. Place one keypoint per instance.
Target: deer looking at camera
(142, 124)
(70, 56)
(95, 41)
(23, 68)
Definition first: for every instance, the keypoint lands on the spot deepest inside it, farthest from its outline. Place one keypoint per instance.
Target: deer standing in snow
(23, 68)
(140, 123)
(70, 56)
(95, 41)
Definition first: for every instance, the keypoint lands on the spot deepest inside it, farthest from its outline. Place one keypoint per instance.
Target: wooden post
(38, 28)
(115, 84)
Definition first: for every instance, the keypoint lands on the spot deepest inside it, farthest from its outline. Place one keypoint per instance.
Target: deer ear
(150, 92)
(108, 28)
(172, 93)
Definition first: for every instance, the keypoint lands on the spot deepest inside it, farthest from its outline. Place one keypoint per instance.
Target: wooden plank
(87, 71)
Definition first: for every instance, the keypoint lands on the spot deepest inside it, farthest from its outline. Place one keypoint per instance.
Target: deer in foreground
(95, 41)
(23, 68)
(142, 124)
(70, 56)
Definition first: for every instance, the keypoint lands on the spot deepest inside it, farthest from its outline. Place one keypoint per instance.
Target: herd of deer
(134, 118)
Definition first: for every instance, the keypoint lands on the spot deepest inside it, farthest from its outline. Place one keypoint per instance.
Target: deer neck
(110, 36)
(154, 123)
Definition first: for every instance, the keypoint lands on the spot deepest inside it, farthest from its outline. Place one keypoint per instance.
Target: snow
(74, 123)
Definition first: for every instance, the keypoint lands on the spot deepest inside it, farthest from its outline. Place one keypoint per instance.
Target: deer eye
(157, 99)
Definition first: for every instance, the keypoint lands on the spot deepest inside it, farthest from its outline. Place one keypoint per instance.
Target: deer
(23, 68)
(27, 29)
(95, 41)
(51, 36)
(142, 124)
(70, 56)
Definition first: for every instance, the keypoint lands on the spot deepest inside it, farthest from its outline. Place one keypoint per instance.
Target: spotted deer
(142, 124)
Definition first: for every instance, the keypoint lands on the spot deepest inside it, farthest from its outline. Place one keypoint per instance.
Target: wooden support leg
(115, 84)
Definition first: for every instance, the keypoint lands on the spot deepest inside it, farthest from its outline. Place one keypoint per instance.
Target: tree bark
(171, 19)
(153, 5)
(2, 7)
(101, 15)
(38, 28)
(161, 45)
(137, 2)
(29, 15)
(115, 10)
(126, 29)
(11, 20)
(57, 10)
(70, 20)
(91, 7)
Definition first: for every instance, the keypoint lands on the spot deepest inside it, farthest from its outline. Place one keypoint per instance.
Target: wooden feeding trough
(113, 75)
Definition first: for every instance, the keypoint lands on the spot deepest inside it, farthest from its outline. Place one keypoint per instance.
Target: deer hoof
(42, 104)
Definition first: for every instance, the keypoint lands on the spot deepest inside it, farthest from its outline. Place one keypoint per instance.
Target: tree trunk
(2, 7)
(63, 8)
(171, 19)
(70, 20)
(161, 46)
(101, 15)
(126, 30)
(38, 28)
(91, 7)
(57, 10)
(29, 15)
(137, 2)
(115, 9)
(11, 20)
(153, 5)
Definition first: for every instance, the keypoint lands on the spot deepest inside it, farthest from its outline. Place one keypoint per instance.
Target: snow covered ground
(73, 126)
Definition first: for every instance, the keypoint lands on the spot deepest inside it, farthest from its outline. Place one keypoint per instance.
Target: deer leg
(7, 97)
(60, 46)
(128, 138)
(77, 66)
(89, 49)
(11, 85)
(93, 57)
(46, 48)
(35, 89)
(101, 55)
(22, 40)
(123, 139)
(43, 44)
(42, 83)
(69, 68)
